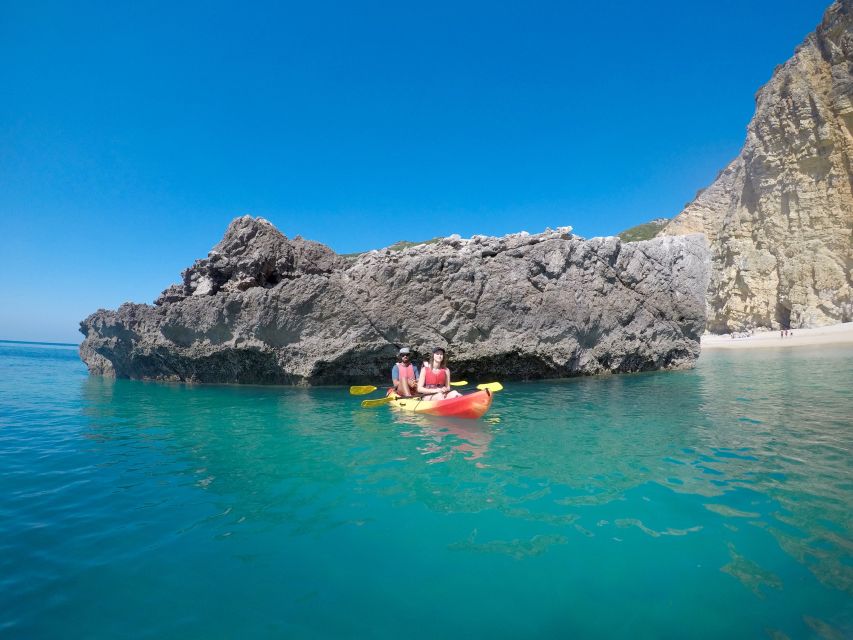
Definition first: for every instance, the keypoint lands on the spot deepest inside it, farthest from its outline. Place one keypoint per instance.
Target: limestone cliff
(779, 218)
(264, 309)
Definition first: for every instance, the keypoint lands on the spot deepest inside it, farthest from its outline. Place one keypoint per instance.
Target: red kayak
(471, 405)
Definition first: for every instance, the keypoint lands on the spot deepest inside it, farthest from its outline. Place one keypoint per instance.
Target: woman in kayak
(434, 381)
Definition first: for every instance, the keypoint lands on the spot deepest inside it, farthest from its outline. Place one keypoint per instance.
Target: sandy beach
(835, 334)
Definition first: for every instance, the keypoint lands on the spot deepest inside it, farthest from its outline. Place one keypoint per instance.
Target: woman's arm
(446, 380)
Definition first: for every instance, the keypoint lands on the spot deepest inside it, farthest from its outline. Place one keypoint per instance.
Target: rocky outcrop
(264, 309)
(779, 218)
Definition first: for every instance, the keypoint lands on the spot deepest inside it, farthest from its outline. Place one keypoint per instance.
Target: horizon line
(60, 344)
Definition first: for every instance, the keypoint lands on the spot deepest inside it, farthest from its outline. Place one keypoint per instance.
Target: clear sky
(132, 133)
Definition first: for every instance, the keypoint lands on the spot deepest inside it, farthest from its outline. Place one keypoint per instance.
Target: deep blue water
(709, 503)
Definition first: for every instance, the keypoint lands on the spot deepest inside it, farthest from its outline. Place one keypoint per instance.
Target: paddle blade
(367, 404)
(461, 383)
(361, 391)
(491, 386)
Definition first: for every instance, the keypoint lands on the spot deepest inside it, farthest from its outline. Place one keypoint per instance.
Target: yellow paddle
(369, 388)
(377, 402)
(362, 390)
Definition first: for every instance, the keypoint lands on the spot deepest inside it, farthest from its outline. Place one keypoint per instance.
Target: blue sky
(132, 133)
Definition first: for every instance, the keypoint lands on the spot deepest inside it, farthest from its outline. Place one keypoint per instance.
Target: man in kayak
(404, 375)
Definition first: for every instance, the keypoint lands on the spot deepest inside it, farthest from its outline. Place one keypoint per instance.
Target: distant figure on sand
(434, 381)
(404, 375)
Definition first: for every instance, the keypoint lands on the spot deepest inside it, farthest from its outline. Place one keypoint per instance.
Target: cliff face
(264, 309)
(779, 218)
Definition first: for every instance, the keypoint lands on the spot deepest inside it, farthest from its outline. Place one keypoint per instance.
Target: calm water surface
(711, 503)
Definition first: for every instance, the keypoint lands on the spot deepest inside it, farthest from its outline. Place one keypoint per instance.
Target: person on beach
(434, 381)
(404, 375)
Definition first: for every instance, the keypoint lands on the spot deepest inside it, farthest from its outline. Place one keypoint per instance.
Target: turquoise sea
(711, 503)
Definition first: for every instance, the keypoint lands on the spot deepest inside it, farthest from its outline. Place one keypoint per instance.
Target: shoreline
(835, 334)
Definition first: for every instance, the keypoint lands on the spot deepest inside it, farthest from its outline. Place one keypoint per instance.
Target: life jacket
(435, 378)
(406, 372)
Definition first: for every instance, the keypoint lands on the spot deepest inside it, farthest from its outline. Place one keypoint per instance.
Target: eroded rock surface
(264, 309)
(779, 218)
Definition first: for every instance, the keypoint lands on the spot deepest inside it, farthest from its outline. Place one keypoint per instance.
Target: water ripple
(726, 483)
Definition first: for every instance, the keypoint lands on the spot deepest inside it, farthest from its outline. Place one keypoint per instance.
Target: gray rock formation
(779, 218)
(264, 309)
